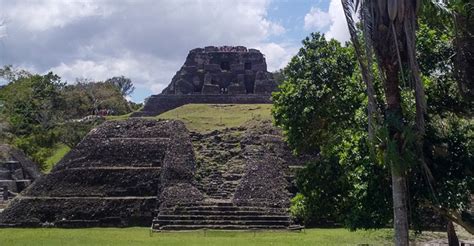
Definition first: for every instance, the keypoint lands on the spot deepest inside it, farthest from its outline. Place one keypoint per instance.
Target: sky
(148, 40)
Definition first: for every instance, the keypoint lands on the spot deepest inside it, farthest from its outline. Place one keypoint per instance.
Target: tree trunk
(400, 218)
(452, 237)
(394, 119)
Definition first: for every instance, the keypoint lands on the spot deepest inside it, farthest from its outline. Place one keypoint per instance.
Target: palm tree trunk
(395, 121)
(400, 219)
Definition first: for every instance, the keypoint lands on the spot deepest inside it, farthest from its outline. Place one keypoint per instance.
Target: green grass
(59, 152)
(208, 117)
(141, 236)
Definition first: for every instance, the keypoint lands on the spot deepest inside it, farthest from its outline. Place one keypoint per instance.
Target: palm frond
(349, 9)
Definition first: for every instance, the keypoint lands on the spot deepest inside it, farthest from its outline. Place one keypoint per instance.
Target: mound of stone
(16, 172)
(114, 177)
(140, 172)
(245, 176)
(216, 75)
(10, 154)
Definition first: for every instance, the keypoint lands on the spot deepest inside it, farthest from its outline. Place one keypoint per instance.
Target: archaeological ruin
(16, 173)
(143, 172)
(218, 75)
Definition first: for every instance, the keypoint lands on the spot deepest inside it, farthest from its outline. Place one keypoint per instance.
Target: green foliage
(124, 85)
(72, 132)
(33, 100)
(31, 106)
(322, 180)
(354, 181)
(88, 98)
(318, 99)
(135, 106)
(39, 112)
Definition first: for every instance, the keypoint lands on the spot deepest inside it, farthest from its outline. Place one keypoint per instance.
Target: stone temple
(215, 75)
(143, 172)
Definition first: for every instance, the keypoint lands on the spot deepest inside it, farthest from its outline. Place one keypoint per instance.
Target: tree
(320, 72)
(389, 28)
(88, 98)
(32, 107)
(302, 101)
(124, 84)
(321, 108)
(11, 74)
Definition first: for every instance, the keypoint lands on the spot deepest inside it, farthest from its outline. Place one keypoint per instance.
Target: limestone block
(237, 89)
(213, 68)
(211, 49)
(237, 67)
(185, 87)
(210, 89)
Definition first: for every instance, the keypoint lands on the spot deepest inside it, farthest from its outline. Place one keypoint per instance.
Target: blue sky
(147, 40)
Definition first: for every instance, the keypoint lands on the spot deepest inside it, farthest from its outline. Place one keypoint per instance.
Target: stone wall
(16, 172)
(217, 75)
(114, 177)
(222, 70)
(158, 104)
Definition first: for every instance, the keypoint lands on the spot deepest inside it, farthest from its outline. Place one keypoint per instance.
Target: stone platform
(215, 75)
(158, 104)
(142, 172)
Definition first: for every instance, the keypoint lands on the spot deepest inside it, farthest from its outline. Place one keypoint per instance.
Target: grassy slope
(141, 236)
(197, 117)
(59, 152)
(208, 117)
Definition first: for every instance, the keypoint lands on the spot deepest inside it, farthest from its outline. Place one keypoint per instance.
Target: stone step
(224, 208)
(240, 213)
(112, 168)
(222, 227)
(223, 217)
(224, 222)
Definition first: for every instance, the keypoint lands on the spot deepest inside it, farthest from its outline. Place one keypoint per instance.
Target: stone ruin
(222, 70)
(215, 75)
(16, 173)
(143, 172)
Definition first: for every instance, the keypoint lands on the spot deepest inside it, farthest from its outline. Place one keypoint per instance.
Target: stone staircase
(221, 215)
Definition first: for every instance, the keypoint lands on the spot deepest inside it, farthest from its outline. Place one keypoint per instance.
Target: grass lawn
(141, 236)
(59, 152)
(208, 117)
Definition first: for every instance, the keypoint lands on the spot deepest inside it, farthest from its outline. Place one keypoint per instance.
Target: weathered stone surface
(227, 74)
(8, 153)
(124, 172)
(16, 172)
(244, 175)
(222, 65)
(114, 177)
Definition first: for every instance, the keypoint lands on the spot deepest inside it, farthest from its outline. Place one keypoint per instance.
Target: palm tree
(388, 27)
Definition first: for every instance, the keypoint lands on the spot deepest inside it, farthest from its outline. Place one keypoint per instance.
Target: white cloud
(142, 70)
(332, 22)
(316, 18)
(277, 55)
(146, 40)
(3, 29)
(41, 15)
(338, 29)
